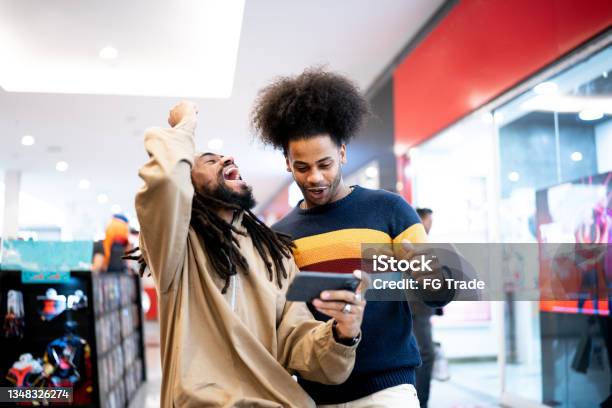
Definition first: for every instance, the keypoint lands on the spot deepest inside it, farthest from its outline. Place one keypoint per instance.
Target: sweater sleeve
(405, 223)
(307, 347)
(163, 203)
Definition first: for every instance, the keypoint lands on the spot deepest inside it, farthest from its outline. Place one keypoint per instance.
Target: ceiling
(100, 136)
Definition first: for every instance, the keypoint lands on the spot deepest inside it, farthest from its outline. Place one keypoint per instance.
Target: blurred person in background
(108, 253)
(434, 362)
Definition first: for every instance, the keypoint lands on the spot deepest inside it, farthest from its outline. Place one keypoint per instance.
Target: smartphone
(308, 285)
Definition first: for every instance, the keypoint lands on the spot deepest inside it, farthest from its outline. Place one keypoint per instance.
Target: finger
(356, 311)
(328, 304)
(340, 295)
(363, 285)
(407, 245)
(339, 316)
(404, 250)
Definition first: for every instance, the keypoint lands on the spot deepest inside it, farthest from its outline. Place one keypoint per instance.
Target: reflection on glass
(556, 143)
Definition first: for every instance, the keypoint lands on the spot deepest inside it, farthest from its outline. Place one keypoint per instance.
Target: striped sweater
(328, 238)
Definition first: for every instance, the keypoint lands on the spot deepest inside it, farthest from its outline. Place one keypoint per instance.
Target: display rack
(109, 366)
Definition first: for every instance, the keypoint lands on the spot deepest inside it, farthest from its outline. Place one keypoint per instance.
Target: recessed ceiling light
(371, 172)
(61, 166)
(590, 114)
(514, 176)
(109, 53)
(212, 29)
(115, 208)
(546, 88)
(84, 184)
(27, 140)
(576, 156)
(102, 198)
(215, 144)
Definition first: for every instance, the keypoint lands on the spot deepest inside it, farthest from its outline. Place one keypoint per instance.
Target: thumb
(405, 249)
(363, 285)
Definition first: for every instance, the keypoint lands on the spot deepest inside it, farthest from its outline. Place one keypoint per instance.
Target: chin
(237, 188)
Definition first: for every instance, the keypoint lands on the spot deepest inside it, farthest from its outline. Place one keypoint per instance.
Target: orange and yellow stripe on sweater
(330, 239)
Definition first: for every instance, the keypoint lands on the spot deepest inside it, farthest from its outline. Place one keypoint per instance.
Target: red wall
(481, 49)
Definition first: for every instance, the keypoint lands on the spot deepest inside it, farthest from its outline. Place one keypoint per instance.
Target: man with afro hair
(311, 118)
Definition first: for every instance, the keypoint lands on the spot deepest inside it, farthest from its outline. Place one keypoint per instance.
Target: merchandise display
(14, 319)
(53, 336)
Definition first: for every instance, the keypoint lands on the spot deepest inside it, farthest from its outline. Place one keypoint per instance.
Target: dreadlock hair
(312, 103)
(222, 247)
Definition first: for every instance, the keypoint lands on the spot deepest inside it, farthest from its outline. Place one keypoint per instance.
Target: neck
(226, 214)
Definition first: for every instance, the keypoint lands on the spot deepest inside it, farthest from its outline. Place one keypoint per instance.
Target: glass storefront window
(555, 142)
(488, 178)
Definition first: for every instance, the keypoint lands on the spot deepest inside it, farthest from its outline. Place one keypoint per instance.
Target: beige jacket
(234, 350)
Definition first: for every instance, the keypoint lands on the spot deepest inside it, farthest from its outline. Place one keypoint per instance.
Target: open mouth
(232, 174)
(317, 192)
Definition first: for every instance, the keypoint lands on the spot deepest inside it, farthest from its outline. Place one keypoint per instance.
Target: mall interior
(494, 114)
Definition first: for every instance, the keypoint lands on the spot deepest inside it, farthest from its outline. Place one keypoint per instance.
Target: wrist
(344, 340)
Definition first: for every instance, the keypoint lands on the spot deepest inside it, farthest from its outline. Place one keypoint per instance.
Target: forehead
(312, 148)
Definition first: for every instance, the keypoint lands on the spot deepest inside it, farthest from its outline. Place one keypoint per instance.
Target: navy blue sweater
(328, 238)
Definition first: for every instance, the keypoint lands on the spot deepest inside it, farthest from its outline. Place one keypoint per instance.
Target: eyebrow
(208, 154)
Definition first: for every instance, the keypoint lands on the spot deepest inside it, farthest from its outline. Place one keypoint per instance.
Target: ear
(343, 153)
(288, 164)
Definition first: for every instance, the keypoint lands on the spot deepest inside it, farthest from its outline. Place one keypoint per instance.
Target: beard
(244, 199)
(333, 188)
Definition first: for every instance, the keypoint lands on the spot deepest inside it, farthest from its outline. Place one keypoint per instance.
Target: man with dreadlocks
(229, 338)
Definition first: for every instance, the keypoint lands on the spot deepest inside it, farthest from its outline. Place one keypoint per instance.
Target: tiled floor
(148, 395)
(472, 385)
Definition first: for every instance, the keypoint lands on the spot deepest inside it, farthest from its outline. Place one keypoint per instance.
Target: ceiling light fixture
(576, 156)
(27, 140)
(514, 176)
(61, 166)
(590, 114)
(84, 184)
(215, 144)
(102, 198)
(203, 66)
(546, 88)
(109, 53)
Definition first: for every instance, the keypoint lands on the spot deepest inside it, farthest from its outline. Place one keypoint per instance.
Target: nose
(227, 160)
(314, 178)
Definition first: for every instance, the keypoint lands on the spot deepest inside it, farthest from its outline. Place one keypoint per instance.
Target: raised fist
(183, 110)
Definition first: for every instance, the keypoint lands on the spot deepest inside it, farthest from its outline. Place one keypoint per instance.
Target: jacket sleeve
(163, 203)
(307, 346)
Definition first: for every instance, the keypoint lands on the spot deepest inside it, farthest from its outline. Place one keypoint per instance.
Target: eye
(211, 161)
(325, 165)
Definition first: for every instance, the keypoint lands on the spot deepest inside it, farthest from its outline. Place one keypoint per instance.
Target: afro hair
(312, 103)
